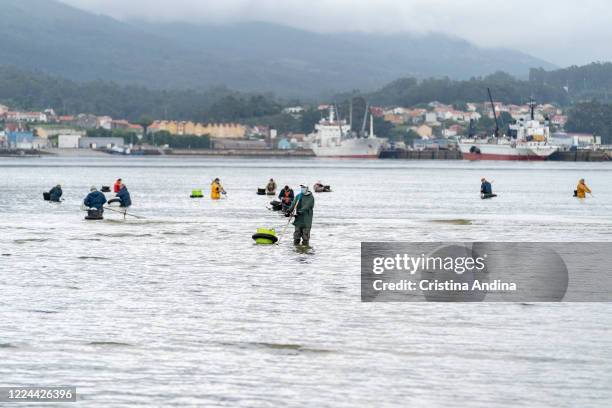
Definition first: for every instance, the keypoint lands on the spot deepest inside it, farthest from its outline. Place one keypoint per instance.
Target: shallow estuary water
(182, 309)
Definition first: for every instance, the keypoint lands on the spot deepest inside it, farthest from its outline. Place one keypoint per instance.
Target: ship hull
(491, 151)
(357, 148)
(473, 156)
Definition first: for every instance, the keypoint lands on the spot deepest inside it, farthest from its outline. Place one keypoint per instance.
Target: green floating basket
(196, 194)
(265, 236)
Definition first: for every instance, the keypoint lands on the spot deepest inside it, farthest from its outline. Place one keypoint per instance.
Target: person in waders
(216, 189)
(271, 187)
(124, 195)
(582, 189)
(303, 205)
(286, 197)
(486, 189)
(55, 194)
(94, 202)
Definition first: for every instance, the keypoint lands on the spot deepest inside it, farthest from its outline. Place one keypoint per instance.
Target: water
(181, 309)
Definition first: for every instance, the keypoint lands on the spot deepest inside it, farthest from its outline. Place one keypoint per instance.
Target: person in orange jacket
(582, 189)
(117, 186)
(216, 189)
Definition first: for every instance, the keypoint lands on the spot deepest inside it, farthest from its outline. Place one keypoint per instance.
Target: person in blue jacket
(124, 196)
(485, 187)
(95, 199)
(55, 194)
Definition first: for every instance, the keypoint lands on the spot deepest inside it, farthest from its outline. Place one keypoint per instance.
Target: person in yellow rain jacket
(216, 189)
(582, 189)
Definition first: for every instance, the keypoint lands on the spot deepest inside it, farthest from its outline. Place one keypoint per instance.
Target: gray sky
(563, 32)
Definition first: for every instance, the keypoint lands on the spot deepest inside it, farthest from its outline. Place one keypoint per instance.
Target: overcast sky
(563, 32)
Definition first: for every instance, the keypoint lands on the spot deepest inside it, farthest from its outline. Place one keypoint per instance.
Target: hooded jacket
(55, 194)
(486, 188)
(124, 196)
(582, 190)
(304, 212)
(215, 190)
(95, 199)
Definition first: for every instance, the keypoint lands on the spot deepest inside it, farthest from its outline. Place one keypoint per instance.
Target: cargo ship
(334, 137)
(528, 139)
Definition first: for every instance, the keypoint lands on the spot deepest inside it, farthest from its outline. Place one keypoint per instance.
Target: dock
(421, 154)
(581, 156)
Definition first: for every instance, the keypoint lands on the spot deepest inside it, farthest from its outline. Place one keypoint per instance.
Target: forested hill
(505, 88)
(57, 39)
(592, 81)
(562, 86)
(36, 91)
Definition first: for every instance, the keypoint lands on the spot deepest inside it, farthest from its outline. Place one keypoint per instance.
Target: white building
(294, 110)
(40, 117)
(576, 139)
(105, 122)
(431, 117)
(100, 142)
(40, 143)
(68, 141)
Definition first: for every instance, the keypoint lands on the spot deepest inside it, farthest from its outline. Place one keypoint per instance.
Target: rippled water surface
(182, 309)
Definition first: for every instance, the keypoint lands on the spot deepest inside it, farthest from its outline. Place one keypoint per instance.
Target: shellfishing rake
(124, 213)
(288, 222)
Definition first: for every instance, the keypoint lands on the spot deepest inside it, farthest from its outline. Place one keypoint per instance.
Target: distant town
(427, 127)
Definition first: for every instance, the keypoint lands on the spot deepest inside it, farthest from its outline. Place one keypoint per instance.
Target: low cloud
(562, 32)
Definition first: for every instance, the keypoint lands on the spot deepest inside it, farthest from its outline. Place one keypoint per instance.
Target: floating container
(265, 236)
(261, 191)
(276, 205)
(46, 196)
(94, 215)
(105, 189)
(322, 189)
(196, 194)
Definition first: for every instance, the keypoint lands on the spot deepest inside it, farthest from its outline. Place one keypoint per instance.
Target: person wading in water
(486, 189)
(286, 197)
(216, 189)
(582, 189)
(303, 205)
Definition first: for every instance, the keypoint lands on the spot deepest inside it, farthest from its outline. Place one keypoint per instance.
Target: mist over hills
(54, 38)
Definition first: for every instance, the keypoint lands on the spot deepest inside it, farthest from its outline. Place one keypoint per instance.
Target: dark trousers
(301, 234)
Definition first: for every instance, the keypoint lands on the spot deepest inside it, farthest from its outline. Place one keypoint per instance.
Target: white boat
(529, 139)
(333, 138)
(505, 150)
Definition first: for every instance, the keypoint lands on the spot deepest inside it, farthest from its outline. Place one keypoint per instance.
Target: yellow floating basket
(196, 194)
(265, 236)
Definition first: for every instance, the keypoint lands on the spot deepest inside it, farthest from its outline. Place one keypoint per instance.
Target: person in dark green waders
(303, 205)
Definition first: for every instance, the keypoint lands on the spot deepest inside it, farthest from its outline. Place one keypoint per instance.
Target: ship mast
(494, 113)
(532, 105)
(339, 122)
(351, 115)
(365, 120)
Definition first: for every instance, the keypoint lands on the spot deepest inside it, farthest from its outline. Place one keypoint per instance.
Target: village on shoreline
(428, 131)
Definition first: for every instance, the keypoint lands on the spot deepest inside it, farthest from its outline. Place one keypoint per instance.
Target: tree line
(591, 117)
(505, 88)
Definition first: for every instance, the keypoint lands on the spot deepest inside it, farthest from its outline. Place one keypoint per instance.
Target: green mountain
(54, 38)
